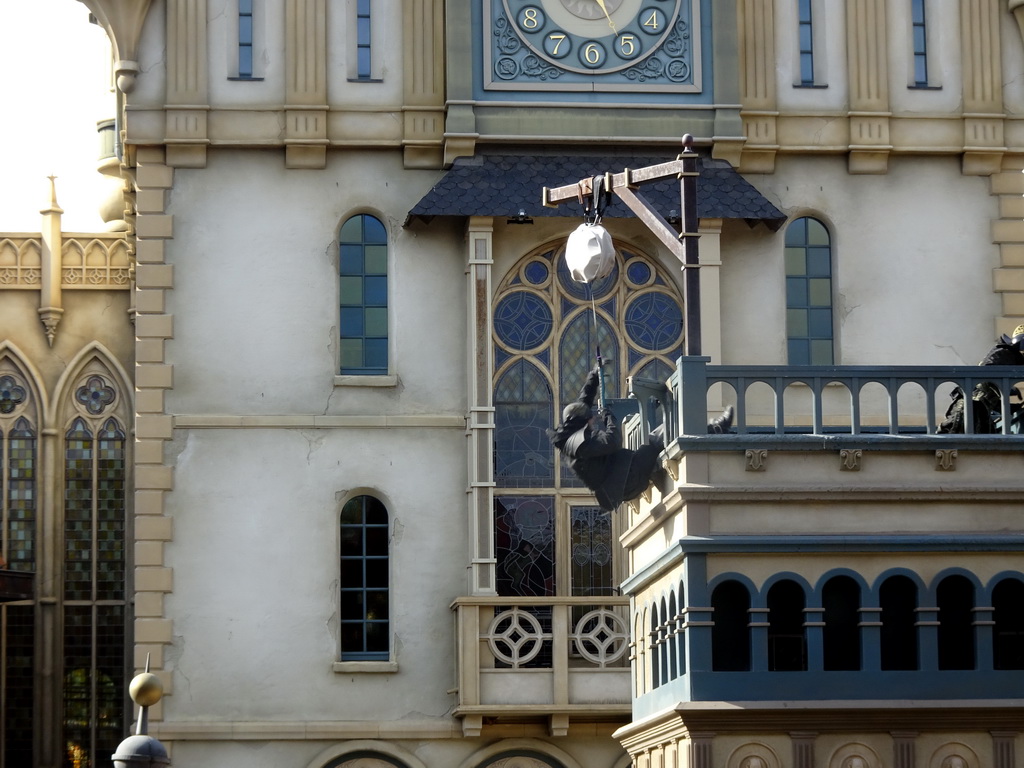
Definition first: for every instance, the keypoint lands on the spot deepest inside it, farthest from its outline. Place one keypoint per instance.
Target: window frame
(348, 273)
(804, 283)
(363, 660)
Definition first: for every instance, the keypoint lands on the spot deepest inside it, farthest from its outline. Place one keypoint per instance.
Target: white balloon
(589, 253)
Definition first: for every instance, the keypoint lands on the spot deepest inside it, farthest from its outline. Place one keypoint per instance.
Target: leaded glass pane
(352, 320)
(576, 352)
(351, 291)
(524, 538)
(352, 260)
(591, 551)
(654, 322)
(110, 517)
(376, 321)
(522, 406)
(18, 690)
(351, 353)
(376, 355)
(816, 233)
(78, 498)
(820, 351)
(373, 230)
(796, 292)
(376, 289)
(21, 496)
(351, 231)
(819, 262)
(522, 320)
(376, 257)
(819, 323)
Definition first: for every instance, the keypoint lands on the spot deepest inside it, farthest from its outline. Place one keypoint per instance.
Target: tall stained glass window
(18, 536)
(94, 651)
(550, 536)
(363, 288)
(809, 293)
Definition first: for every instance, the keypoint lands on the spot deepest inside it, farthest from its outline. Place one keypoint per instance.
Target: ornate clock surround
(550, 45)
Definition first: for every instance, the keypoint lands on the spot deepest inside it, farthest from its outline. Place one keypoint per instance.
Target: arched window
(898, 600)
(365, 596)
(365, 759)
(730, 635)
(1008, 632)
(840, 599)
(955, 598)
(673, 638)
(95, 604)
(18, 515)
(363, 288)
(787, 636)
(809, 335)
(546, 328)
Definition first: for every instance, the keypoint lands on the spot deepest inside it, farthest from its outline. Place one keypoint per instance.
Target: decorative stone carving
(945, 460)
(757, 458)
(849, 459)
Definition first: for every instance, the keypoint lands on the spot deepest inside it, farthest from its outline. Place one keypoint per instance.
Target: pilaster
(1008, 235)
(423, 83)
(867, 64)
(187, 88)
(480, 419)
(758, 93)
(306, 84)
(153, 427)
(984, 143)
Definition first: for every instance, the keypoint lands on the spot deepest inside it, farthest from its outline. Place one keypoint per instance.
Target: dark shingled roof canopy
(504, 185)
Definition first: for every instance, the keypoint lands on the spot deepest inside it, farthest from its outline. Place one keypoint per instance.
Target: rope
(597, 347)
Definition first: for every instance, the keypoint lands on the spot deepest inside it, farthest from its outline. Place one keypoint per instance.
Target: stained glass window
(18, 493)
(363, 286)
(95, 607)
(365, 619)
(547, 330)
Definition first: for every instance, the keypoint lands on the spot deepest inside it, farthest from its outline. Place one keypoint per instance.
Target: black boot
(721, 425)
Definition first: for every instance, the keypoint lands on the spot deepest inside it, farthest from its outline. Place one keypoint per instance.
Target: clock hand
(608, 16)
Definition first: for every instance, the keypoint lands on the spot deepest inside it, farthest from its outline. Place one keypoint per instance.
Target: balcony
(529, 659)
(809, 407)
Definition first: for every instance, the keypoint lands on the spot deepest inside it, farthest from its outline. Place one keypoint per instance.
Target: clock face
(591, 44)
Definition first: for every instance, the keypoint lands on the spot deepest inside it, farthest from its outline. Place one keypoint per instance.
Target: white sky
(54, 88)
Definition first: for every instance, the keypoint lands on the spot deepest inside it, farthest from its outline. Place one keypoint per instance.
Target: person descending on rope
(593, 448)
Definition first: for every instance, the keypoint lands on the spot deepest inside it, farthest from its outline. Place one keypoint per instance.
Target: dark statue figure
(986, 397)
(593, 448)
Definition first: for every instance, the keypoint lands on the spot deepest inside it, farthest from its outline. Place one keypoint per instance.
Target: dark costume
(595, 453)
(986, 397)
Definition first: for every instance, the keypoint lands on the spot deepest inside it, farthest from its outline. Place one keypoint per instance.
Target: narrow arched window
(363, 288)
(245, 39)
(673, 636)
(809, 335)
(840, 599)
(805, 34)
(787, 637)
(897, 598)
(1008, 629)
(657, 647)
(919, 34)
(730, 635)
(955, 598)
(365, 579)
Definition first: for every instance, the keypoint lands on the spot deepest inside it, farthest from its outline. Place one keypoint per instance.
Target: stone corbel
(122, 20)
(672, 467)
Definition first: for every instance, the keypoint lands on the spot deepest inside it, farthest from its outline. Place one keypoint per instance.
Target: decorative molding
(945, 460)
(850, 459)
(306, 84)
(423, 83)
(982, 78)
(869, 91)
(757, 459)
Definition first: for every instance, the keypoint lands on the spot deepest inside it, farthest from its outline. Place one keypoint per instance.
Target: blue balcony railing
(805, 405)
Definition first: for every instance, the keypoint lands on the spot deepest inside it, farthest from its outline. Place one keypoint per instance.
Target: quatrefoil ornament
(95, 395)
(11, 394)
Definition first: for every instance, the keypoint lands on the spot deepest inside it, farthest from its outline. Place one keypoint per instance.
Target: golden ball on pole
(146, 689)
